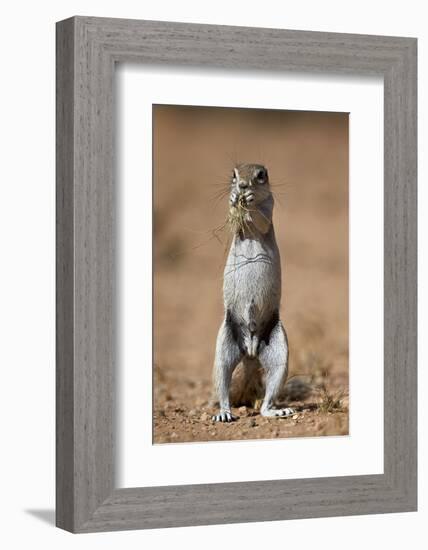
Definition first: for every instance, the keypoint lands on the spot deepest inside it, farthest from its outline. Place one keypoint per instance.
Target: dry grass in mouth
(236, 218)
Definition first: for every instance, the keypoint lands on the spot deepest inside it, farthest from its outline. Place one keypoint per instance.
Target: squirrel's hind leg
(273, 357)
(227, 356)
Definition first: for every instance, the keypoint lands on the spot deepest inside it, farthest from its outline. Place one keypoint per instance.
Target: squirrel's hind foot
(288, 411)
(224, 416)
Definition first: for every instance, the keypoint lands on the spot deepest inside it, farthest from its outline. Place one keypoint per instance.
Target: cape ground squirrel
(251, 332)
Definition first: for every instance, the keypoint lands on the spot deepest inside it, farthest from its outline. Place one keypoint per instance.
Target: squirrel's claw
(224, 417)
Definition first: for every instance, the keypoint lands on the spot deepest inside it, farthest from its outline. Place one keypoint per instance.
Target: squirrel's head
(251, 177)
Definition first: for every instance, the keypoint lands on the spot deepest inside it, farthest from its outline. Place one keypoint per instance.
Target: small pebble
(204, 417)
(243, 410)
(295, 416)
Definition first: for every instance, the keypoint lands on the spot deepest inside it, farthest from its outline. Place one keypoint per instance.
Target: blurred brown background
(306, 154)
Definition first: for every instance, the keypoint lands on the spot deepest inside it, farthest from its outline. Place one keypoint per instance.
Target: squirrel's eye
(261, 176)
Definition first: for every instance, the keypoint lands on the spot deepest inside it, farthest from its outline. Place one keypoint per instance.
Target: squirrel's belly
(253, 282)
(252, 299)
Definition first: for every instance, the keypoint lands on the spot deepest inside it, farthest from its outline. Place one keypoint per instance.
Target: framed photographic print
(236, 274)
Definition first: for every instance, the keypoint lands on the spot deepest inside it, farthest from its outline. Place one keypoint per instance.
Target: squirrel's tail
(248, 386)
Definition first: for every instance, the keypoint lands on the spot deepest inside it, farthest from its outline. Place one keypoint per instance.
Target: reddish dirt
(307, 158)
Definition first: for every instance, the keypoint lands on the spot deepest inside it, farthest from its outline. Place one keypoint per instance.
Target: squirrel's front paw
(233, 199)
(249, 197)
(224, 416)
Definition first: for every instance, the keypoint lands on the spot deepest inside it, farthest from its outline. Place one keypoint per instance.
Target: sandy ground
(307, 158)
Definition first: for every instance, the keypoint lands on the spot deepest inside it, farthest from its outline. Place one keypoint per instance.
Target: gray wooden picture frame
(87, 50)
